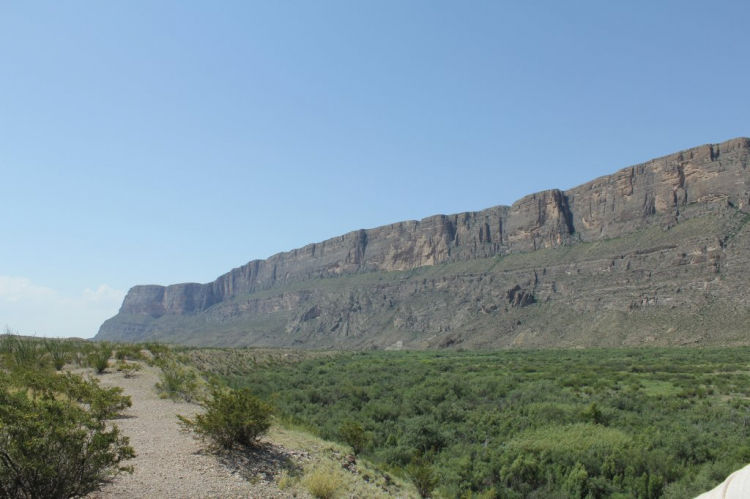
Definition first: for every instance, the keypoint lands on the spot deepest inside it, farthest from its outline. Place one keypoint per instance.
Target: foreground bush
(54, 442)
(232, 418)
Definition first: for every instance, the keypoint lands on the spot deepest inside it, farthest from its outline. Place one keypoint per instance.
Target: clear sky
(163, 142)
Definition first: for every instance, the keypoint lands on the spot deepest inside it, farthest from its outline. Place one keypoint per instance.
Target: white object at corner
(736, 486)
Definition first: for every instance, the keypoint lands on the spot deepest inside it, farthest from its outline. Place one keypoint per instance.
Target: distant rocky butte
(655, 254)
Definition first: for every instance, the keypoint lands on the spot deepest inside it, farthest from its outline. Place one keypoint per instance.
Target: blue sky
(164, 142)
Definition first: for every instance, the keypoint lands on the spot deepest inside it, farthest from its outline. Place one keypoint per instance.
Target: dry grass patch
(325, 477)
(323, 483)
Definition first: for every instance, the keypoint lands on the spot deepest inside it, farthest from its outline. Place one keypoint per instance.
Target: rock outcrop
(368, 287)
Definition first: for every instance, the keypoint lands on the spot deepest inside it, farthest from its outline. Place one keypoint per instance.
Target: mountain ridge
(666, 192)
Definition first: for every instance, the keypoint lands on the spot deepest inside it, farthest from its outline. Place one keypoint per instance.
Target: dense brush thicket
(646, 423)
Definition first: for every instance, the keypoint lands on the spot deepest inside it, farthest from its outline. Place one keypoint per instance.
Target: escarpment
(614, 253)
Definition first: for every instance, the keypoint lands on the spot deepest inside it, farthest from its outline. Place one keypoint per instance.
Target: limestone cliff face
(614, 205)
(663, 192)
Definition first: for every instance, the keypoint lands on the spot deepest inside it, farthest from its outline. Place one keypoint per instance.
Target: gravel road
(170, 463)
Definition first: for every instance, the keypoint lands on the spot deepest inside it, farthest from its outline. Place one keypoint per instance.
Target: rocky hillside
(654, 254)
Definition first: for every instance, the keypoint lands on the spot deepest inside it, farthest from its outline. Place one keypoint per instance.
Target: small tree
(576, 481)
(594, 414)
(354, 435)
(421, 475)
(232, 418)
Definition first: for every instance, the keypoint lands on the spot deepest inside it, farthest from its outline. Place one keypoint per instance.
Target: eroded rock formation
(370, 286)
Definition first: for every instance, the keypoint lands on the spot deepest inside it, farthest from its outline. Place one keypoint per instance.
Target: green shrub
(102, 403)
(232, 418)
(6, 341)
(80, 359)
(57, 352)
(129, 369)
(593, 414)
(128, 352)
(51, 446)
(24, 351)
(158, 350)
(354, 435)
(40, 384)
(99, 359)
(421, 475)
(177, 382)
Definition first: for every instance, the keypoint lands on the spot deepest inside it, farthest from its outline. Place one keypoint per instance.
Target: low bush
(6, 341)
(158, 350)
(79, 359)
(24, 351)
(102, 403)
(57, 352)
(99, 359)
(232, 418)
(129, 369)
(177, 382)
(128, 352)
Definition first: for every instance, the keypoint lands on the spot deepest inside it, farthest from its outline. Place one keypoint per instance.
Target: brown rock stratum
(656, 253)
